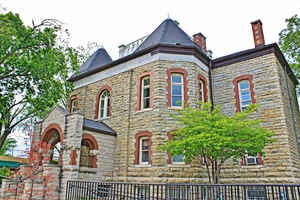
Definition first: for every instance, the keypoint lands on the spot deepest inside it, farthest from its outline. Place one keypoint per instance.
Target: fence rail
(80, 190)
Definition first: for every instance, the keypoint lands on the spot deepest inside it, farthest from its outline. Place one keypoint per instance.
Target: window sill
(87, 169)
(252, 166)
(142, 165)
(175, 108)
(102, 119)
(144, 110)
(179, 165)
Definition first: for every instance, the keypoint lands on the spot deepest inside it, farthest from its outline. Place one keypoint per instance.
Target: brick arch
(102, 89)
(47, 135)
(93, 145)
(49, 131)
(92, 141)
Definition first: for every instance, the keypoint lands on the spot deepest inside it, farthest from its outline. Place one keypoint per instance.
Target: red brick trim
(93, 145)
(73, 156)
(139, 89)
(106, 87)
(185, 88)
(49, 131)
(92, 141)
(73, 98)
(236, 89)
(202, 78)
(137, 145)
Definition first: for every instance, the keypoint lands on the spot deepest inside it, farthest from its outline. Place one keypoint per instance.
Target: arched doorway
(52, 136)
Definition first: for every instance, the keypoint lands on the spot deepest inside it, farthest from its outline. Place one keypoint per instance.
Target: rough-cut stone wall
(291, 111)
(156, 120)
(268, 91)
(280, 160)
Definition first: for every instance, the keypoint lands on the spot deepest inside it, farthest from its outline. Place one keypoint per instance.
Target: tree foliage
(289, 42)
(8, 145)
(212, 137)
(35, 63)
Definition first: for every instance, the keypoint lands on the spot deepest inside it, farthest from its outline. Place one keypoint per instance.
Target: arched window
(74, 105)
(87, 156)
(202, 83)
(144, 92)
(177, 87)
(244, 92)
(103, 103)
(143, 148)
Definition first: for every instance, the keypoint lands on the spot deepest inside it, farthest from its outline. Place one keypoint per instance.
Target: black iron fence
(80, 190)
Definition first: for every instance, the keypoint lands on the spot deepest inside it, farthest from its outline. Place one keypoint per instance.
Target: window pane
(246, 97)
(178, 158)
(145, 144)
(145, 156)
(176, 100)
(146, 92)
(146, 103)
(244, 85)
(176, 78)
(177, 90)
(146, 81)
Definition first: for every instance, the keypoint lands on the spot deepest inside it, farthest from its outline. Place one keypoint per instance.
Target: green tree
(8, 145)
(212, 137)
(35, 63)
(289, 41)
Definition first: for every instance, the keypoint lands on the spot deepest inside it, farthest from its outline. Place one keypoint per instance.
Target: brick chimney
(258, 34)
(200, 39)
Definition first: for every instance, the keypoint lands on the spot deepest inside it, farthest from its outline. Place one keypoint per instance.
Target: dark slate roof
(97, 59)
(99, 127)
(168, 32)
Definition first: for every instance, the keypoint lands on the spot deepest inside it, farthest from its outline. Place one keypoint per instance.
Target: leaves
(35, 63)
(209, 134)
(289, 41)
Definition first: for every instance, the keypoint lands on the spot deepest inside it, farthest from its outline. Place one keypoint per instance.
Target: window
(244, 92)
(104, 105)
(176, 159)
(252, 160)
(143, 148)
(177, 87)
(177, 90)
(202, 88)
(145, 92)
(74, 105)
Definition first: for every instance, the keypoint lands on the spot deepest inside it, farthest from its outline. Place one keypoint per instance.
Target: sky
(226, 24)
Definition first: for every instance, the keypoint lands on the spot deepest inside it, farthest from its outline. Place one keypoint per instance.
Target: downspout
(210, 83)
(292, 110)
(129, 122)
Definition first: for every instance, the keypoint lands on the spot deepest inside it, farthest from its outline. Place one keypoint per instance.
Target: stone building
(119, 110)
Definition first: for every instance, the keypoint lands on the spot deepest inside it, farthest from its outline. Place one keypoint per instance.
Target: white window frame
(142, 93)
(182, 89)
(105, 106)
(201, 90)
(73, 107)
(141, 150)
(254, 157)
(242, 90)
(174, 162)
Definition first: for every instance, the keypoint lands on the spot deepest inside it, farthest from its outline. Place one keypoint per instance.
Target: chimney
(258, 34)
(200, 39)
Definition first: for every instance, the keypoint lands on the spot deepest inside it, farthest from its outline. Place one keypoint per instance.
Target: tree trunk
(4, 136)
